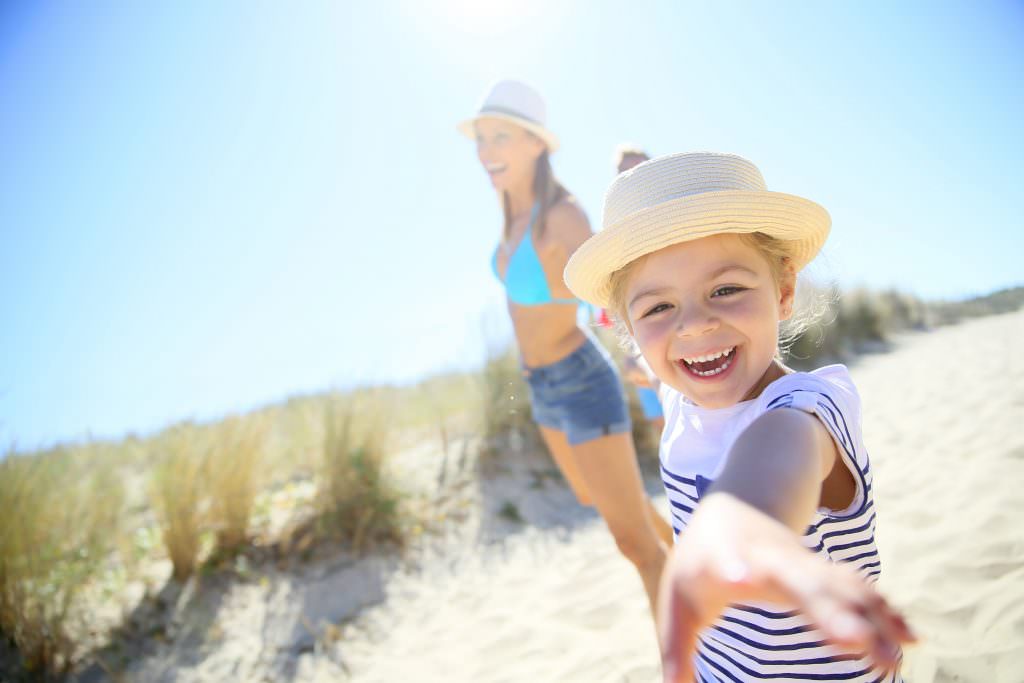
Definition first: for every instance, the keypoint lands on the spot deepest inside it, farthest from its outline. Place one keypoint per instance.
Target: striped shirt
(768, 641)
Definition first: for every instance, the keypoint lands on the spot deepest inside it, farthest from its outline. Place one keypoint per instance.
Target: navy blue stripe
(792, 662)
(670, 487)
(774, 648)
(768, 631)
(852, 544)
(833, 424)
(766, 613)
(680, 506)
(839, 520)
(870, 553)
(869, 565)
(846, 429)
(787, 674)
(684, 480)
(722, 670)
(840, 532)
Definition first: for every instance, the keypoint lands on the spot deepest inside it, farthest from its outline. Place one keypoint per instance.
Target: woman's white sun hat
(683, 197)
(518, 103)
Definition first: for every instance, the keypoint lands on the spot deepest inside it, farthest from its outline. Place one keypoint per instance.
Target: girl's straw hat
(683, 197)
(518, 103)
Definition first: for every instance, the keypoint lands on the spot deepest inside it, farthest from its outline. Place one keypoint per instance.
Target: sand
(532, 589)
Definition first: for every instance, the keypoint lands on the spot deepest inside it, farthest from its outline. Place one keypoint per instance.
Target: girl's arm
(742, 544)
(785, 464)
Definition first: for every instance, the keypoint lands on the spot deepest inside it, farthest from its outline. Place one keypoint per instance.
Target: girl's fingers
(849, 612)
(892, 629)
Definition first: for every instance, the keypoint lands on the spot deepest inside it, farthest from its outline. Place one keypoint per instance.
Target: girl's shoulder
(828, 392)
(831, 384)
(829, 379)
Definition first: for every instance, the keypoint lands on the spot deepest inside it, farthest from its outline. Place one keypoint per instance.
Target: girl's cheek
(651, 338)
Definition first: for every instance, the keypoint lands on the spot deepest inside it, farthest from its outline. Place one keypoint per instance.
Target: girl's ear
(787, 289)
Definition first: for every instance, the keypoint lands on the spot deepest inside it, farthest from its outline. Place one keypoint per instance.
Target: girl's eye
(655, 310)
(727, 290)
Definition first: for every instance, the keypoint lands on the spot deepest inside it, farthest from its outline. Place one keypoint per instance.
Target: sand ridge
(538, 593)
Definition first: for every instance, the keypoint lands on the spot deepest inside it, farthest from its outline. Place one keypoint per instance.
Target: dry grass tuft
(358, 499)
(504, 403)
(177, 495)
(60, 521)
(233, 479)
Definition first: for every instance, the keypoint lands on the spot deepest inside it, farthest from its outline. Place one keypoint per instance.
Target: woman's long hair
(547, 191)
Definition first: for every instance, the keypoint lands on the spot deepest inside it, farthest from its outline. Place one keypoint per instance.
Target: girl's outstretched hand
(731, 552)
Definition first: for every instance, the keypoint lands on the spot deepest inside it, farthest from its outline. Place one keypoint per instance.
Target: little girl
(772, 572)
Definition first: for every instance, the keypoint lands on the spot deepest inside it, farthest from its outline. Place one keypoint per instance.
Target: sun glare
(490, 16)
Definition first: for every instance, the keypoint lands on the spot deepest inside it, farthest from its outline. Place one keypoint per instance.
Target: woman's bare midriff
(545, 333)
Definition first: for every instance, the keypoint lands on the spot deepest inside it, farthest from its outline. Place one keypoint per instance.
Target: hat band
(491, 109)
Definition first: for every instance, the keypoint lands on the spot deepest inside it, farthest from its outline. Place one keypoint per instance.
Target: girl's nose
(695, 320)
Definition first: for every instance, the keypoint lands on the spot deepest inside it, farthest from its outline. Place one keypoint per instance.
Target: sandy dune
(944, 419)
(533, 590)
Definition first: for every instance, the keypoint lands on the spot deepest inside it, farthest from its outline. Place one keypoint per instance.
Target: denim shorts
(580, 395)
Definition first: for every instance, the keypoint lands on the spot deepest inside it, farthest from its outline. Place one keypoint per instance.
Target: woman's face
(705, 315)
(507, 152)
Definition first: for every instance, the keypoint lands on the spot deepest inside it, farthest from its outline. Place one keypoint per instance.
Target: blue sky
(206, 207)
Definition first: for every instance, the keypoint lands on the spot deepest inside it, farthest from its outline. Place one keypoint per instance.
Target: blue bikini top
(525, 281)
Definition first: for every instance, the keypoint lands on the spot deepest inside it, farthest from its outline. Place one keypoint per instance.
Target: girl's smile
(709, 365)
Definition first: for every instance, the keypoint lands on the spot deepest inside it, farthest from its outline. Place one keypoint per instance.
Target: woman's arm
(566, 229)
(742, 544)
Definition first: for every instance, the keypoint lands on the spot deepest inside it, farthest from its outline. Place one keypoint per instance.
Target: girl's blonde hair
(547, 191)
(775, 252)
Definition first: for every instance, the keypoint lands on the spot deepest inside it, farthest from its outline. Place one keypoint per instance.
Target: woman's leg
(603, 473)
(561, 453)
(661, 527)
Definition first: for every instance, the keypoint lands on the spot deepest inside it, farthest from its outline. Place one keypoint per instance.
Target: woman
(575, 393)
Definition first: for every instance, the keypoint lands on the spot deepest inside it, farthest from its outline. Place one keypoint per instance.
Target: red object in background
(603, 320)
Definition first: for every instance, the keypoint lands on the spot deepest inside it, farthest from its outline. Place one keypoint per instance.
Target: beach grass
(357, 498)
(503, 403)
(61, 513)
(178, 496)
(233, 480)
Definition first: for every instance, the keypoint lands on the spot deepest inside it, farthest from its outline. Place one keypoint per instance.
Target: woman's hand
(633, 371)
(730, 552)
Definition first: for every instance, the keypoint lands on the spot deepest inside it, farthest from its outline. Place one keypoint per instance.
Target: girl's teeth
(705, 359)
(711, 373)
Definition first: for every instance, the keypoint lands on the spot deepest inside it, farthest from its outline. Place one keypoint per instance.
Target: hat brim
(468, 128)
(786, 217)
